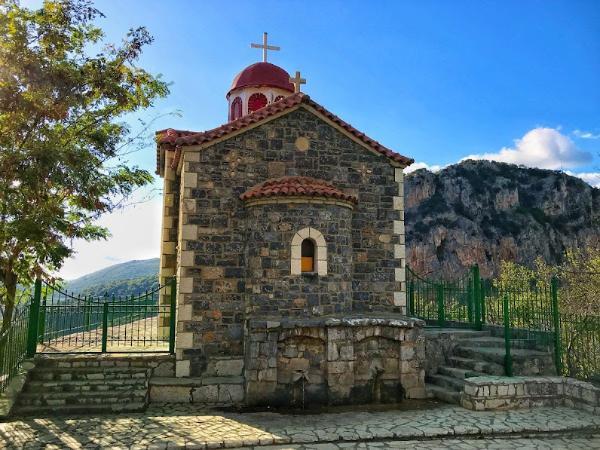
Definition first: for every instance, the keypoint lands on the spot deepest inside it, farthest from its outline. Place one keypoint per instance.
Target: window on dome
(236, 108)
(256, 101)
(279, 97)
(308, 255)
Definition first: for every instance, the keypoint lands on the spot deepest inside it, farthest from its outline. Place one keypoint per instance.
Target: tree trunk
(10, 283)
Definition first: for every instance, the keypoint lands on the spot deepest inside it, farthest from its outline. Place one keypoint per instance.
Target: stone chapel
(285, 229)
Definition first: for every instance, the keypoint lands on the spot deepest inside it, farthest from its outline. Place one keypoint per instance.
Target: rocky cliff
(485, 212)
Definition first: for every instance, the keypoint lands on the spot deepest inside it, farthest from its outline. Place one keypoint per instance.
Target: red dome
(262, 74)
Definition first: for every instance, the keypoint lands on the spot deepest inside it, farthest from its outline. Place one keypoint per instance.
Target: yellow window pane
(307, 264)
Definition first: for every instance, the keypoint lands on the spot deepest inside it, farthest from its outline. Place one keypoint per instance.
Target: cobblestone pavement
(185, 426)
(541, 443)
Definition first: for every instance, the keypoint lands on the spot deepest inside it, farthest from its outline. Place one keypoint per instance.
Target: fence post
(34, 316)
(104, 326)
(411, 298)
(556, 321)
(42, 321)
(87, 307)
(482, 300)
(440, 304)
(172, 314)
(477, 296)
(470, 299)
(508, 366)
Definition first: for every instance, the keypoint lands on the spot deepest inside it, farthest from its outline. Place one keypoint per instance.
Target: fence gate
(446, 302)
(61, 322)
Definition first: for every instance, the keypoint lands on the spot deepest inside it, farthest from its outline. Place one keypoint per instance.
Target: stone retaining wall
(210, 391)
(503, 393)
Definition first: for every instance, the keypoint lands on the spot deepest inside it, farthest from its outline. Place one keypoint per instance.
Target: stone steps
(88, 373)
(82, 398)
(477, 353)
(476, 365)
(76, 384)
(498, 342)
(459, 373)
(84, 385)
(449, 382)
(497, 354)
(26, 411)
(444, 394)
(456, 332)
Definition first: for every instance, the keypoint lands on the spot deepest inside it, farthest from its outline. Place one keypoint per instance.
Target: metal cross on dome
(265, 46)
(297, 81)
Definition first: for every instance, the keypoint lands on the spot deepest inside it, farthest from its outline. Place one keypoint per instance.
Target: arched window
(308, 256)
(236, 108)
(256, 101)
(279, 97)
(309, 252)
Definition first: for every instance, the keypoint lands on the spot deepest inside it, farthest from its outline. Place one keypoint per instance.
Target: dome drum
(256, 86)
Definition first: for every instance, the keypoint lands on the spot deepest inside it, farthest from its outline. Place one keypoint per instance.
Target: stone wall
(502, 393)
(212, 247)
(334, 361)
(271, 290)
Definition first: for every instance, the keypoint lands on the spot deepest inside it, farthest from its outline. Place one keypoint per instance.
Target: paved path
(185, 426)
(555, 443)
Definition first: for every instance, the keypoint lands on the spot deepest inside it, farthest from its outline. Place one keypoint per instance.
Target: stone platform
(434, 425)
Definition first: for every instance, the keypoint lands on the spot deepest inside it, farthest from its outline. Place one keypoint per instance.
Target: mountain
(131, 277)
(473, 212)
(485, 212)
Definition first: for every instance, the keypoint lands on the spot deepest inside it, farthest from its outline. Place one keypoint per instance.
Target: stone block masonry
(234, 259)
(345, 360)
(502, 393)
(271, 288)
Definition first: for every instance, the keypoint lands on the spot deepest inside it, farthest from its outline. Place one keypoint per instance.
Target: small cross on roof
(297, 81)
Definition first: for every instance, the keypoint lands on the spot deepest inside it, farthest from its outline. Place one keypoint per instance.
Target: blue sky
(434, 80)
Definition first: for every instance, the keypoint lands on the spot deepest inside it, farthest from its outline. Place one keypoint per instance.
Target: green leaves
(61, 130)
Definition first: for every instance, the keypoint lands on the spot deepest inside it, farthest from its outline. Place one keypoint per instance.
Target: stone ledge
(503, 393)
(397, 321)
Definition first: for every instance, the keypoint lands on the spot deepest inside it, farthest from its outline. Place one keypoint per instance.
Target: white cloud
(135, 235)
(591, 178)
(546, 148)
(422, 165)
(586, 134)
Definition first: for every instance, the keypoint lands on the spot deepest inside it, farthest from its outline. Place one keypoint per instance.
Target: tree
(62, 135)
(580, 279)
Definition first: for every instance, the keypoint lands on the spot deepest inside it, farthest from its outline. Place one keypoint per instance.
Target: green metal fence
(526, 316)
(13, 345)
(53, 320)
(445, 302)
(73, 323)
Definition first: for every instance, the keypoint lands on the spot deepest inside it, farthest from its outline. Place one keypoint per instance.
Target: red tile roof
(170, 139)
(296, 187)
